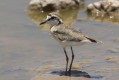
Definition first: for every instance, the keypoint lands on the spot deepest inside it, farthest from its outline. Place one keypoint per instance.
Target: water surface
(24, 48)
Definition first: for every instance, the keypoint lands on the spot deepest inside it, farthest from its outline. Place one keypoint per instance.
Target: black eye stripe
(49, 15)
(53, 17)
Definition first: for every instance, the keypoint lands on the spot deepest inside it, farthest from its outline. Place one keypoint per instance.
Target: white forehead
(48, 17)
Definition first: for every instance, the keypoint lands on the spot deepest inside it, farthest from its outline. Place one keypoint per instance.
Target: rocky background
(51, 5)
(104, 8)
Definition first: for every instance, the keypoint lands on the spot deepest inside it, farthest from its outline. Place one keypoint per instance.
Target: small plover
(66, 36)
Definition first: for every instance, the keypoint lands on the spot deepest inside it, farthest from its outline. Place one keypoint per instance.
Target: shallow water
(26, 50)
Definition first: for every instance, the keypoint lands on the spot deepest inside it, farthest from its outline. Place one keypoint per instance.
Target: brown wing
(69, 34)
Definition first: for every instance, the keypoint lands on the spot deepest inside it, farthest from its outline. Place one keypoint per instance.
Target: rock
(105, 7)
(52, 5)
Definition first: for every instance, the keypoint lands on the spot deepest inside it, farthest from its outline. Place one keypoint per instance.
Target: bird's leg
(67, 59)
(71, 61)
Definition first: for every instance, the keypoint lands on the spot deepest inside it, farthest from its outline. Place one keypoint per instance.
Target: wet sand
(29, 53)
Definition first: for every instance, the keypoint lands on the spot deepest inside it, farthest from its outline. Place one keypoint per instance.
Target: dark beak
(43, 22)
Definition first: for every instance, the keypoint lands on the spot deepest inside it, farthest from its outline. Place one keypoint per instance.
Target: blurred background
(27, 49)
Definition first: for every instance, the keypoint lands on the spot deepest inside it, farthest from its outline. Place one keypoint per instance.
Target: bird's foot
(68, 73)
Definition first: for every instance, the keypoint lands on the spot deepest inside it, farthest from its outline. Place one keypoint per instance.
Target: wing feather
(69, 34)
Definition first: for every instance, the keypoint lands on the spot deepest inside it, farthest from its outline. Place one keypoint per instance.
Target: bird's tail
(93, 40)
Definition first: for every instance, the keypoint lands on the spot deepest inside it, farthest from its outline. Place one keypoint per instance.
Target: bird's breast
(53, 29)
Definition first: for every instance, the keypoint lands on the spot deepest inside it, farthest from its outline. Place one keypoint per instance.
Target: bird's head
(52, 19)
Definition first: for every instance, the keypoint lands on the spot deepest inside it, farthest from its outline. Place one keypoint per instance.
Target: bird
(66, 36)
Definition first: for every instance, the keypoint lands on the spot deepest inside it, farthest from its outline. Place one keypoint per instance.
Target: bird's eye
(49, 15)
